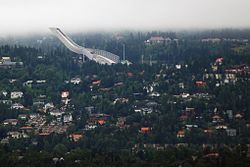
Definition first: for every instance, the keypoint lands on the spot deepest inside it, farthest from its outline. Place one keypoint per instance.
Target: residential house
(211, 155)
(75, 137)
(75, 80)
(200, 83)
(144, 110)
(16, 95)
(154, 94)
(185, 95)
(145, 129)
(120, 100)
(238, 116)
(12, 80)
(17, 106)
(155, 40)
(96, 82)
(10, 122)
(119, 84)
(121, 122)
(101, 122)
(15, 135)
(94, 118)
(8, 102)
(218, 76)
(231, 132)
(27, 129)
(189, 127)
(90, 127)
(212, 40)
(221, 127)
(178, 66)
(208, 131)
(64, 94)
(217, 118)
(56, 113)
(22, 116)
(5, 62)
(4, 93)
(219, 60)
(28, 83)
(48, 106)
(180, 134)
(40, 81)
(67, 118)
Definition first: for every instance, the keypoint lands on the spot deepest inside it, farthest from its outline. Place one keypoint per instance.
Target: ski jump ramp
(99, 56)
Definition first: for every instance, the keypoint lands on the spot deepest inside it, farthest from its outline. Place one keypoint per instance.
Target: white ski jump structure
(99, 56)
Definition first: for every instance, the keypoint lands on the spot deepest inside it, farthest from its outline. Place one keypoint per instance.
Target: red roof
(44, 134)
(212, 155)
(26, 127)
(119, 84)
(145, 129)
(219, 60)
(97, 82)
(208, 131)
(156, 38)
(181, 132)
(65, 94)
(101, 122)
(200, 83)
(76, 137)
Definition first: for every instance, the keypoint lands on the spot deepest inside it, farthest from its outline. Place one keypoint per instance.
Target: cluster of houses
(6, 62)
(159, 40)
(230, 75)
(219, 122)
(50, 118)
(217, 40)
(154, 40)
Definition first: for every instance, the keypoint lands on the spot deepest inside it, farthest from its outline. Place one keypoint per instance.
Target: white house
(48, 106)
(16, 95)
(90, 127)
(10, 122)
(64, 94)
(4, 93)
(41, 81)
(75, 80)
(28, 83)
(17, 135)
(17, 106)
(56, 113)
(67, 118)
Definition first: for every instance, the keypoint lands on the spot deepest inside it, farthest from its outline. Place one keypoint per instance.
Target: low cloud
(29, 16)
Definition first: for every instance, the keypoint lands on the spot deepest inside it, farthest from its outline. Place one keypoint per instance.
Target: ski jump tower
(99, 56)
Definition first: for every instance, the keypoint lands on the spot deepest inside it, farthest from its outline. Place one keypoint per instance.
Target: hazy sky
(27, 16)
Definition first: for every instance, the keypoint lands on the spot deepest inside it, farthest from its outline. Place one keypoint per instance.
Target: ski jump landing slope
(99, 56)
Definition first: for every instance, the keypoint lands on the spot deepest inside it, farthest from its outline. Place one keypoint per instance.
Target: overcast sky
(28, 16)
